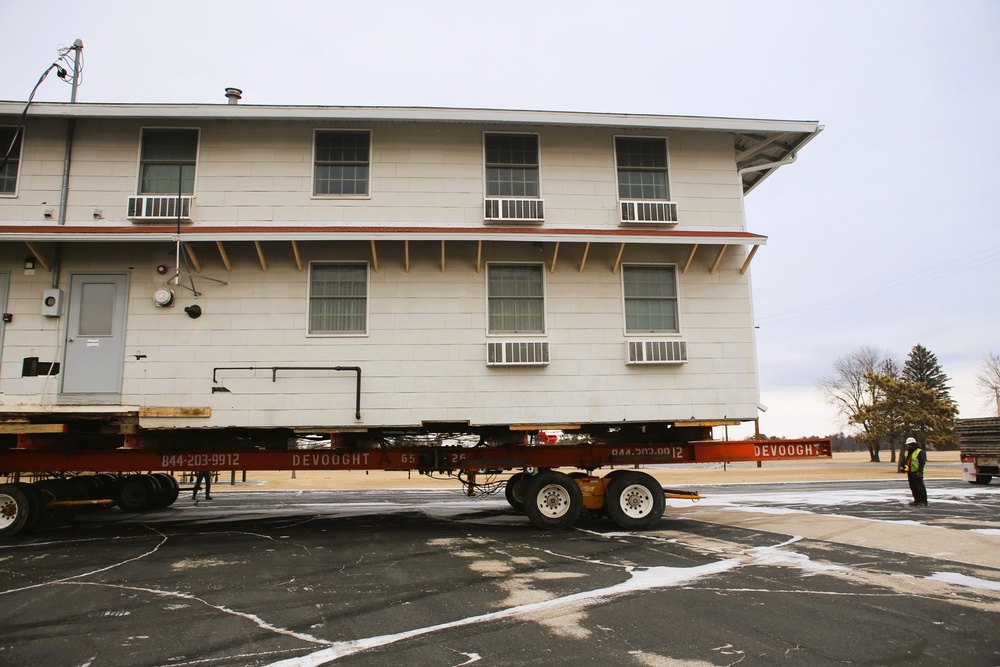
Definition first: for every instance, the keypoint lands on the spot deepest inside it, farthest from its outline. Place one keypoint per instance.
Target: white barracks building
(352, 268)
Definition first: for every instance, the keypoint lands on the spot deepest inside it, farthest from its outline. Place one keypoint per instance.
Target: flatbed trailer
(84, 467)
(979, 444)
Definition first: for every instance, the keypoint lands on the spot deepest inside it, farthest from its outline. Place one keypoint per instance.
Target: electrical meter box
(52, 303)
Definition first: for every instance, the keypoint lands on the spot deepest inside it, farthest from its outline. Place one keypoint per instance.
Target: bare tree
(988, 379)
(849, 390)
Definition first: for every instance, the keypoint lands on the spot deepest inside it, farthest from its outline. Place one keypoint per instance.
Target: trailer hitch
(274, 377)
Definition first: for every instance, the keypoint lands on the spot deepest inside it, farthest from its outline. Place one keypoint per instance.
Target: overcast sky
(884, 233)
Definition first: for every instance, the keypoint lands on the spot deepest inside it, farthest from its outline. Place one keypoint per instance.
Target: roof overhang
(148, 233)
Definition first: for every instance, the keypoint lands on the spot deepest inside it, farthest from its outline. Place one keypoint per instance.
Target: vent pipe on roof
(234, 95)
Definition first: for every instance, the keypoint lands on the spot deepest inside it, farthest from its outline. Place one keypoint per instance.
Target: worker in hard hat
(916, 459)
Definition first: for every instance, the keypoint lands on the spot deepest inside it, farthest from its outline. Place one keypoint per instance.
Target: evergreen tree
(922, 367)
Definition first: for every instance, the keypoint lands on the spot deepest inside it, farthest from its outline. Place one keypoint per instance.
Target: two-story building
(353, 268)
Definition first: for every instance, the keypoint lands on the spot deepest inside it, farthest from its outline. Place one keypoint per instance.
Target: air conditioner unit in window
(656, 351)
(649, 212)
(159, 208)
(517, 353)
(514, 210)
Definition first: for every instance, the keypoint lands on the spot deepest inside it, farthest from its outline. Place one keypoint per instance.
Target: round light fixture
(163, 297)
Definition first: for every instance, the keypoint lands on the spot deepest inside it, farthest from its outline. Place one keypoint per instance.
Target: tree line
(888, 402)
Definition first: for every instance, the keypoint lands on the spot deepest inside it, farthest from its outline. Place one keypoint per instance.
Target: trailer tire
(170, 489)
(53, 490)
(553, 500)
(514, 490)
(982, 479)
(15, 508)
(138, 493)
(634, 501)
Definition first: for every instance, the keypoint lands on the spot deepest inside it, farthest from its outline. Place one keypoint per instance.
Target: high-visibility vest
(914, 460)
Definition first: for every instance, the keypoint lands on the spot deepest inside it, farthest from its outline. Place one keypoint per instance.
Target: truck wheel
(170, 489)
(552, 500)
(514, 490)
(634, 501)
(14, 509)
(138, 493)
(983, 479)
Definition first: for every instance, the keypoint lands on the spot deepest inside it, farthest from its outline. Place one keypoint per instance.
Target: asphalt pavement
(790, 574)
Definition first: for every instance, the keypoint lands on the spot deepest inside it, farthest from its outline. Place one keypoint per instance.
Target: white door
(95, 338)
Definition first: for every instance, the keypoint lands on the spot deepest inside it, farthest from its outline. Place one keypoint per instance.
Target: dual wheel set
(554, 500)
(24, 507)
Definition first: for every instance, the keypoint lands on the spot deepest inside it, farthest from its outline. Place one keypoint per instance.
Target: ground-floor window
(338, 298)
(650, 298)
(516, 298)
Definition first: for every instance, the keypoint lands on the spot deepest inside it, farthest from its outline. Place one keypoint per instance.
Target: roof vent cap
(234, 95)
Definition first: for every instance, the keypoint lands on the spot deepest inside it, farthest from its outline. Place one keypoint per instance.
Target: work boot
(914, 504)
(208, 497)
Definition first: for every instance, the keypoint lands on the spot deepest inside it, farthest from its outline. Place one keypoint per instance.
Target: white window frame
(669, 170)
(538, 151)
(545, 317)
(18, 157)
(677, 302)
(368, 300)
(353, 130)
(197, 162)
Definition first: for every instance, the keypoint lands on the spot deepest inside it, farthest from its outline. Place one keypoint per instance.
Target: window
(10, 157)
(342, 162)
(516, 297)
(338, 298)
(650, 298)
(167, 162)
(511, 165)
(642, 168)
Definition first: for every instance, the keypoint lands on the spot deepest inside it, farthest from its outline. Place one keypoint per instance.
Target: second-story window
(642, 168)
(10, 158)
(511, 165)
(342, 162)
(650, 298)
(516, 296)
(167, 162)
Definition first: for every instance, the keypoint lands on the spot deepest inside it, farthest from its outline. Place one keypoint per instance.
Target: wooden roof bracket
(687, 264)
(298, 257)
(374, 256)
(189, 249)
(38, 256)
(718, 260)
(618, 259)
(442, 255)
(746, 262)
(555, 255)
(260, 256)
(479, 257)
(406, 255)
(583, 262)
(225, 257)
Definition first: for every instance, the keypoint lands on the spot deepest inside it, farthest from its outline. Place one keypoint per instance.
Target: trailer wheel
(634, 501)
(982, 479)
(138, 493)
(552, 500)
(514, 490)
(52, 490)
(15, 508)
(170, 489)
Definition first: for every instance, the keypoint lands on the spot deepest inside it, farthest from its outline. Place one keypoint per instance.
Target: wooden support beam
(374, 257)
(479, 258)
(38, 256)
(746, 262)
(583, 262)
(406, 255)
(154, 411)
(260, 255)
(34, 428)
(718, 260)
(298, 257)
(193, 257)
(225, 257)
(618, 259)
(555, 256)
(687, 264)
